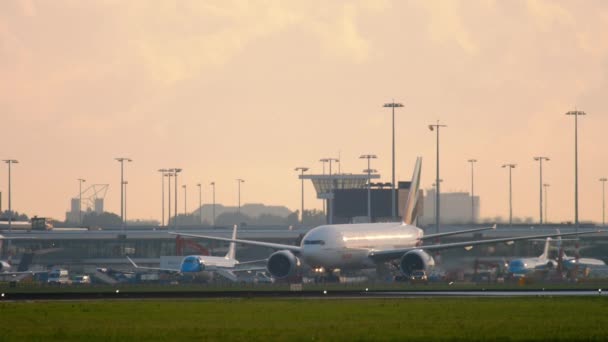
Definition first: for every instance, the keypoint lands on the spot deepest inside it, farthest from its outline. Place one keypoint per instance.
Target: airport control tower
(349, 193)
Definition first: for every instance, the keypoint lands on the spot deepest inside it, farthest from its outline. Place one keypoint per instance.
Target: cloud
(446, 24)
(547, 14)
(177, 42)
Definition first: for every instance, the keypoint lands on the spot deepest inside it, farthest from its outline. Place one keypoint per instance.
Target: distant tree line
(14, 217)
(311, 218)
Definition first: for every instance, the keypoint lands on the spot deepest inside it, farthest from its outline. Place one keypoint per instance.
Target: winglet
(409, 212)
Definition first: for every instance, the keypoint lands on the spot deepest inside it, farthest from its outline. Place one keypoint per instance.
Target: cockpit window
(314, 242)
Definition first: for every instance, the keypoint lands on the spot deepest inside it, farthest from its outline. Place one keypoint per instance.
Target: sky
(253, 89)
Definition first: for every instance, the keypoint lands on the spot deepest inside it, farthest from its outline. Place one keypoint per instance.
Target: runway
(127, 295)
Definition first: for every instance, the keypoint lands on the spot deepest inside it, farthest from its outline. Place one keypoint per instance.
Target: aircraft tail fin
(545, 254)
(560, 248)
(409, 212)
(232, 247)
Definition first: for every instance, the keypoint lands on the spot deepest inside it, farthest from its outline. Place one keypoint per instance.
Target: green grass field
(466, 319)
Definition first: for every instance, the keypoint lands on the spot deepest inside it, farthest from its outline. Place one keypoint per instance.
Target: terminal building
(455, 208)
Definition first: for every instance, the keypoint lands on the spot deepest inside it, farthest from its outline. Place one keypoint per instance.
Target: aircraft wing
(259, 261)
(2, 237)
(292, 248)
(18, 273)
(227, 274)
(152, 268)
(249, 269)
(391, 254)
(433, 236)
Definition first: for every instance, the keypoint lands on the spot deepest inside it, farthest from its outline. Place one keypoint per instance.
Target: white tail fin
(409, 211)
(560, 248)
(545, 254)
(232, 247)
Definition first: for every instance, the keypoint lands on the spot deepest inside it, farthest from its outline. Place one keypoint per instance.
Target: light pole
(185, 201)
(124, 184)
(80, 181)
(323, 161)
(435, 206)
(540, 159)
(239, 181)
(162, 196)
(331, 188)
(369, 171)
(546, 185)
(175, 172)
(213, 196)
(122, 193)
(302, 170)
(603, 180)
(10, 208)
(511, 167)
(437, 126)
(169, 175)
(200, 202)
(576, 114)
(472, 161)
(393, 105)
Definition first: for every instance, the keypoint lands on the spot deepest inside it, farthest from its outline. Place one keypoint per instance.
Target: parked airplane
(224, 266)
(368, 245)
(522, 266)
(525, 266)
(6, 268)
(571, 263)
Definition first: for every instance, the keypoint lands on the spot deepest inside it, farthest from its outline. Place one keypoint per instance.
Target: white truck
(59, 276)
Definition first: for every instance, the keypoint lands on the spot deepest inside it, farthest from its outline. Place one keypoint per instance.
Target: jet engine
(282, 264)
(415, 260)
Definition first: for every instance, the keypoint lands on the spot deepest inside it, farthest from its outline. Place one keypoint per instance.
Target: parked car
(419, 277)
(81, 279)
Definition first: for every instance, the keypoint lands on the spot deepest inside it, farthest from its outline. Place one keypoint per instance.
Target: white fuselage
(347, 246)
(571, 262)
(528, 265)
(200, 263)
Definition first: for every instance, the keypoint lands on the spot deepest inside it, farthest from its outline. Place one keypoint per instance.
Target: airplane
(523, 266)
(224, 266)
(366, 245)
(573, 263)
(6, 267)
